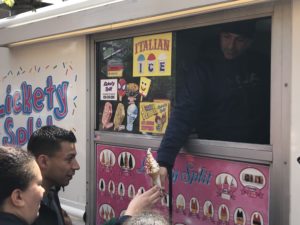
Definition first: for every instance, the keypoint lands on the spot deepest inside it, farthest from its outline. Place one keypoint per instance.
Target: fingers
(139, 192)
(155, 197)
(151, 191)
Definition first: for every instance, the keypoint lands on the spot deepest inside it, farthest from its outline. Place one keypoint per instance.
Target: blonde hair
(147, 218)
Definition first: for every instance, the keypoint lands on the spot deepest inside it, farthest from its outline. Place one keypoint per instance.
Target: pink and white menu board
(206, 191)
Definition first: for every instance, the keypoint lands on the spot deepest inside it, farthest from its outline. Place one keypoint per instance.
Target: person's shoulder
(11, 219)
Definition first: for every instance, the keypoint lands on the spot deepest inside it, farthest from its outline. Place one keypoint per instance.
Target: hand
(143, 201)
(66, 217)
(163, 176)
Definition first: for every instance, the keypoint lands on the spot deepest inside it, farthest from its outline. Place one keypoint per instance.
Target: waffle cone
(155, 179)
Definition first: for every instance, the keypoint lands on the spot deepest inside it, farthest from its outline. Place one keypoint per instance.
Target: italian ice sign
(152, 55)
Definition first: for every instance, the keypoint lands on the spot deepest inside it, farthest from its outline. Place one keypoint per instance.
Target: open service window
(219, 75)
(223, 77)
(213, 79)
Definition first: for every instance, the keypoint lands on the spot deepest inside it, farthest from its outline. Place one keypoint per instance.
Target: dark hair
(15, 171)
(246, 28)
(47, 140)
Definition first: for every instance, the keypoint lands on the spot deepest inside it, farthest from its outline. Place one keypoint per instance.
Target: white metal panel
(64, 60)
(295, 118)
(95, 15)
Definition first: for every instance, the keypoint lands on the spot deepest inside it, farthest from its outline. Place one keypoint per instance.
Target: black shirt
(227, 100)
(10, 219)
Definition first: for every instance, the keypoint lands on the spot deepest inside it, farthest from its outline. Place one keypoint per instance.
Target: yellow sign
(154, 117)
(152, 55)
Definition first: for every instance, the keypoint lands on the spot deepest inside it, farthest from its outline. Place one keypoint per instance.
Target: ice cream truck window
(135, 84)
(222, 77)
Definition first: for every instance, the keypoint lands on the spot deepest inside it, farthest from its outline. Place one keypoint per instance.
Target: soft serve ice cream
(152, 168)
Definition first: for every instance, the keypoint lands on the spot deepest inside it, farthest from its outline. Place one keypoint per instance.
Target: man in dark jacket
(226, 96)
(55, 152)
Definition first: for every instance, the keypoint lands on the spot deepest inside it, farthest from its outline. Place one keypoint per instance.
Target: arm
(143, 201)
(140, 203)
(183, 118)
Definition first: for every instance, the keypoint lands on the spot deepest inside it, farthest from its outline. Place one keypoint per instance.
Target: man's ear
(17, 198)
(42, 161)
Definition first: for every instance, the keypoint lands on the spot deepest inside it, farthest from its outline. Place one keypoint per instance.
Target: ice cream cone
(155, 179)
(152, 168)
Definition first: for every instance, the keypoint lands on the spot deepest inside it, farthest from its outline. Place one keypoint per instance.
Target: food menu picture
(120, 174)
(122, 92)
(205, 190)
(220, 192)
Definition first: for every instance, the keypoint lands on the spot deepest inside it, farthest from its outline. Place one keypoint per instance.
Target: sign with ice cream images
(120, 174)
(219, 192)
(152, 55)
(197, 181)
(109, 89)
(154, 117)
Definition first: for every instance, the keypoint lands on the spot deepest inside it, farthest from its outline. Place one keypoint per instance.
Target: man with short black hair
(55, 152)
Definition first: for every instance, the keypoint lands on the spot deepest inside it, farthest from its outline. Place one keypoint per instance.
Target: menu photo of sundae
(107, 159)
(226, 185)
(126, 162)
(208, 210)
(106, 212)
(194, 207)
(257, 219)
(223, 214)
(180, 203)
(239, 217)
